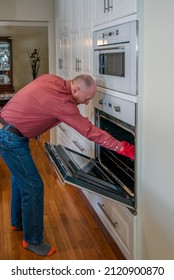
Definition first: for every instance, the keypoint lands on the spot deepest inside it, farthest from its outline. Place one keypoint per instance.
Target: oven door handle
(109, 48)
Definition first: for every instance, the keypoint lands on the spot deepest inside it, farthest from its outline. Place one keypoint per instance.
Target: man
(36, 108)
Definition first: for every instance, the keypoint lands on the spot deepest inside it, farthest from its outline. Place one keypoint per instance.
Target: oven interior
(120, 168)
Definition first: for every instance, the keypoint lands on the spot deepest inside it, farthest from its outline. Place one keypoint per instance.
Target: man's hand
(127, 150)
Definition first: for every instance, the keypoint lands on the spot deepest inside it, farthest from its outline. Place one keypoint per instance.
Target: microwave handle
(109, 48)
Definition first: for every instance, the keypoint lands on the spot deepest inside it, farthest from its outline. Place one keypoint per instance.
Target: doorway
(25, 38)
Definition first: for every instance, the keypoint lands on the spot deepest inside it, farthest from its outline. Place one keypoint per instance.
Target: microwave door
(83, 172)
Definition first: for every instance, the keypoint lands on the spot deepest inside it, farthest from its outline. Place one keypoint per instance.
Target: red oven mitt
(127, 150)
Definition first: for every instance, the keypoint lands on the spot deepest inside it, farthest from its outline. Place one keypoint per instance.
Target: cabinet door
(81, 37)
(86, 36)
(81, 144)
(59, 57)
(63, 57)
(64, 133)
(62, 39)
(122, 8)
(75, 54)
(66, 17)
(107, 10)
(86, 14)
(101, 12)
(86, 51)
(63, 16)
(66, 56)
(75, 11)
(58, 17)
(117, 219)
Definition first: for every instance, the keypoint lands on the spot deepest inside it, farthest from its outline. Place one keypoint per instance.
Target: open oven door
(86, 173)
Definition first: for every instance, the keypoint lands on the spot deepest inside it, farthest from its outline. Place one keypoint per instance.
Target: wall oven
(115, 58)
(108, 174)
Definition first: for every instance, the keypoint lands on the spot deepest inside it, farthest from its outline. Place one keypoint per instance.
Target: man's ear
(76, 89)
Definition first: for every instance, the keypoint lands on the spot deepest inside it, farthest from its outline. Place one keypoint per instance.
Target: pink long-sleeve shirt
(44, 103)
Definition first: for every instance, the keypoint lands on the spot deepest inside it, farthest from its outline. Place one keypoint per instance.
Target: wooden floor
(70, 224)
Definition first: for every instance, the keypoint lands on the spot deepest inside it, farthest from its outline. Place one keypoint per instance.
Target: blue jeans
(27, 186)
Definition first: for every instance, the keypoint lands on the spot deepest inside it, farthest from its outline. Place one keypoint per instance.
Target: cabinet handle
(60, 63)
(61, 128)
(106, 9)
(76, 64)
(79, 146)
(115, 224)
(78, 68)
(109, 5)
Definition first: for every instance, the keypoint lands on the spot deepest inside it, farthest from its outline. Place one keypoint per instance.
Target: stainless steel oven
(115, 58)
(108, 174)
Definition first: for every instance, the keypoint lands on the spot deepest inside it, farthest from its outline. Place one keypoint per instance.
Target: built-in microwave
(115, 58)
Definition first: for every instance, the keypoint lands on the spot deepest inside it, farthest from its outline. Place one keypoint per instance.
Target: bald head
(86, 79)
(83, 88)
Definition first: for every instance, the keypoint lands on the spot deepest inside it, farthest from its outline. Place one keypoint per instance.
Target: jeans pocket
(9, 140)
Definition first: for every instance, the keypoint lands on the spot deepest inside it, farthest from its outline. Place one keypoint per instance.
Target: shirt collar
(68, 86)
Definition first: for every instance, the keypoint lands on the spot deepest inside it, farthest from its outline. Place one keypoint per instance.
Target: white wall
(156, 149)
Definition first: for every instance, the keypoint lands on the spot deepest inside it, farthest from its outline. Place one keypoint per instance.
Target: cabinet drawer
(117, 219)
(82, 145)
(63, 135)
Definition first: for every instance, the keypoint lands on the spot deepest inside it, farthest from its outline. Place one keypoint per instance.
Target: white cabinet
(81, 144)
(63, 20)
(74, 57)
(107, 10)
(86, 51)
(118, 220)
(63, 56)
(86, 14)
(64, 135)
(74, 37)
(101, 14)
(63, 16)
(122, 8)
(81, 37)
(75, 11)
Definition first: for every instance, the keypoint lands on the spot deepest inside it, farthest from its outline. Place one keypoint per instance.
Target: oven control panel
(110, 105)
(112, 35)
(121, 109)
